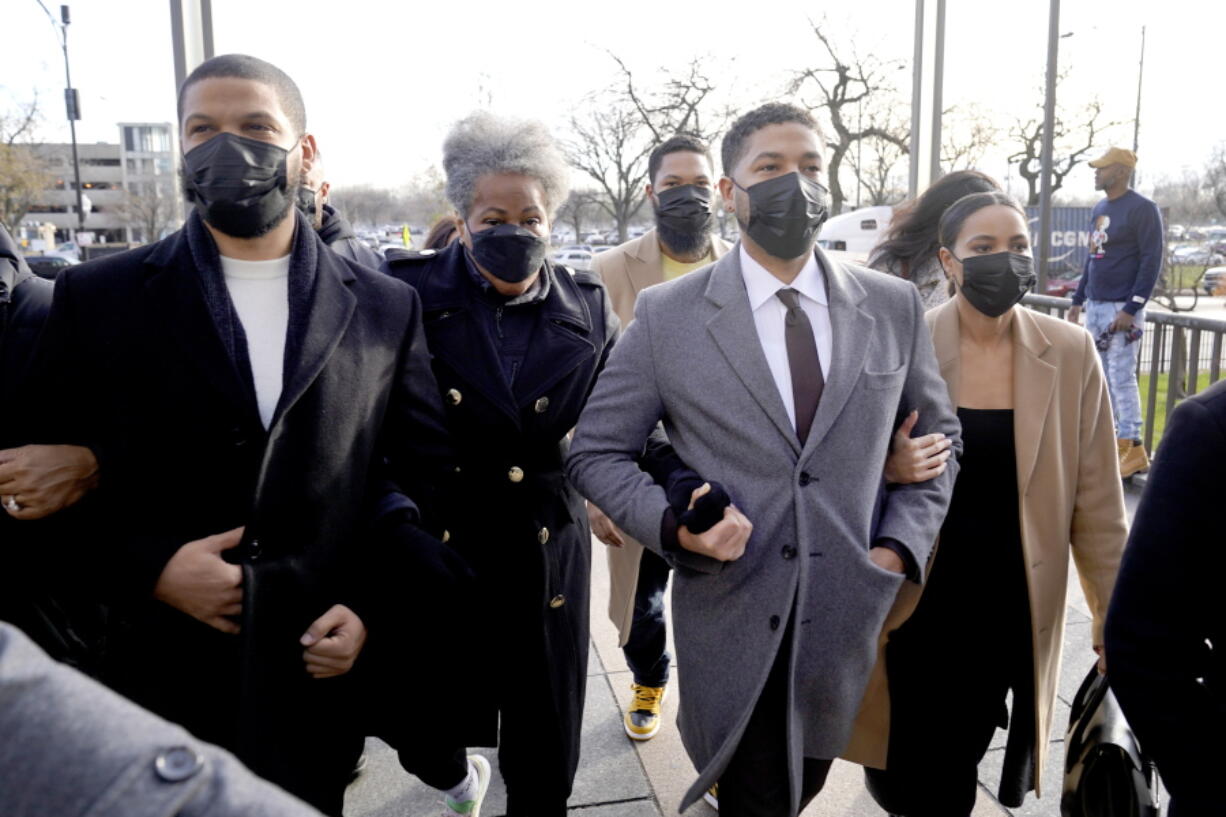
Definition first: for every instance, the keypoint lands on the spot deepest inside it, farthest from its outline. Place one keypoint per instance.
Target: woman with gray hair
(517, 345)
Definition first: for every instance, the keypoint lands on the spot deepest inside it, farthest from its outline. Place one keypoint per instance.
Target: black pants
(944, 709)
(646, 650)
(756, 783)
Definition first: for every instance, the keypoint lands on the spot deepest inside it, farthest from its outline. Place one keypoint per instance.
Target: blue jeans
(646, 650)
(1119, 366)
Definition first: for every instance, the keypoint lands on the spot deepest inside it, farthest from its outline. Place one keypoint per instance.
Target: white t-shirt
(260, 293)
(769, 314)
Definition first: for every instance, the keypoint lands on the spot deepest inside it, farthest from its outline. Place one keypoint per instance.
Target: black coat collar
(324, 314)
(561, 341)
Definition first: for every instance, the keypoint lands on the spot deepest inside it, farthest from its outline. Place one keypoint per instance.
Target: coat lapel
(1034, 383)
(944, 325)
(1034, 379)
(643, 265)
(178, 297)
(734, 332)
(561, 342)
(328, 313)
(851, 331)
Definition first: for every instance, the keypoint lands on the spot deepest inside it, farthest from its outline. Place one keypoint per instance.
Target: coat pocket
(884, 380)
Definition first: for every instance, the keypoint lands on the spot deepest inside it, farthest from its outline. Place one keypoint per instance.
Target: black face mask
(508, 252)
(684, 218)
(785, 214)
(994, 283)
(239, 185)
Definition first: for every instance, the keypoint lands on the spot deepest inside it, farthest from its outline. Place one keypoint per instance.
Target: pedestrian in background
(910, 247)
(1038, 483)
(1124, 261)
(333, 228)
(1167, 624)
(681, 189)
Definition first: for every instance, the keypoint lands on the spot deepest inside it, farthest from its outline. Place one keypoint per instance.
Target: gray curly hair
(483, 143)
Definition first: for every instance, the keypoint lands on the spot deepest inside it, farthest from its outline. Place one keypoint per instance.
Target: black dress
(967, 644)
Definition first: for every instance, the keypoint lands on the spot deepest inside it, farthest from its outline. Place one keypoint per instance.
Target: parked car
(599, 250)
(1214, 282)
(1062, 287)
(576, 248)
(576, 259)
(48, 266)
(1193, 255)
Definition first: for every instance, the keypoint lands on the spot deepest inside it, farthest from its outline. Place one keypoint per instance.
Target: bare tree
(23, 175)
(966, 135)
(578, 207)
(1215, 177)
(685, 102)
(875, 161)
(1074, 136)
(841, 86)
(424, 199)
(614, 132)
(1187, 196)
(610, 145)
(369, 206)
(150, 210)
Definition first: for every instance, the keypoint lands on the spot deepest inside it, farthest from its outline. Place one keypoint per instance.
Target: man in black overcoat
(244, 387)
(1166, 628)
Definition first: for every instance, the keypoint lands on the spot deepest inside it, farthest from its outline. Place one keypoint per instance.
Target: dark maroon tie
(806, 366)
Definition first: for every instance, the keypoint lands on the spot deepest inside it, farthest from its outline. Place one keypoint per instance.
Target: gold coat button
(516, 474)
(542, 405)
(543, 536)
(454, 397)
(557, 601)
(446, 536)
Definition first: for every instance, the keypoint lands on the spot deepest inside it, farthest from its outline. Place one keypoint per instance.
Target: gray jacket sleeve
(72, 747)
(619, 416)
(913, 514)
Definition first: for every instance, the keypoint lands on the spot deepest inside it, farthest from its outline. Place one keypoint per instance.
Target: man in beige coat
(681, 188)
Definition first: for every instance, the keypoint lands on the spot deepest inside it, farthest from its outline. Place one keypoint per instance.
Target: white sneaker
(471, 807)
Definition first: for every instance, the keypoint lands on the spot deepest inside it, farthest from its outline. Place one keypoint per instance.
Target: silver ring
(12, 505)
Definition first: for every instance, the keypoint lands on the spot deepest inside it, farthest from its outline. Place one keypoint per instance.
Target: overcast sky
(383, 79)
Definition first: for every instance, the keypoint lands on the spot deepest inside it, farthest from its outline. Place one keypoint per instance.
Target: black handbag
(1105, 772)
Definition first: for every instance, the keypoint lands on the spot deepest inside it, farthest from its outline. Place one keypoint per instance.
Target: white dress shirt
(259, 291)
(769, 314)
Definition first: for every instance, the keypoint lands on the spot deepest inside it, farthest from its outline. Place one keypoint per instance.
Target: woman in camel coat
(1039, 483)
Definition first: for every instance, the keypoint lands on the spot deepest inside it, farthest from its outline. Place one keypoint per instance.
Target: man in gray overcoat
(782, 374)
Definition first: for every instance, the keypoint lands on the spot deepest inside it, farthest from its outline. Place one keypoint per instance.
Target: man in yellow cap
(1119, 275)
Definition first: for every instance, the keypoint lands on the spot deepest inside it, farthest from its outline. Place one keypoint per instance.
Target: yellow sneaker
(712, 797)
(642, 719)
(1133, 458)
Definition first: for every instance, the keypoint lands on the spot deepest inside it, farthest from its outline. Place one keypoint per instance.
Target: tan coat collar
(1034, 379)
(644, 260)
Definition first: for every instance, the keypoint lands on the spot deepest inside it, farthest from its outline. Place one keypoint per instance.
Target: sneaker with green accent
(642, 719)
(471, 807)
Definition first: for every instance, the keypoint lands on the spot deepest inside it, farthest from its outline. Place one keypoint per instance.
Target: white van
(857, 232)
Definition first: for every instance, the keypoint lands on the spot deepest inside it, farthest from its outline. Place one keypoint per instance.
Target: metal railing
(1181, 346)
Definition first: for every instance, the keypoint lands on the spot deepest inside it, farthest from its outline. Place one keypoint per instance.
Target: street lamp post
(72, 103)
(1046, 158)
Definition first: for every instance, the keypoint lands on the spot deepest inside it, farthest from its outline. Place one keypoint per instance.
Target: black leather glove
(708, 510)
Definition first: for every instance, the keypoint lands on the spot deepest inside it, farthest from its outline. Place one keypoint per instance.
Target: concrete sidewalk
(620, 778)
